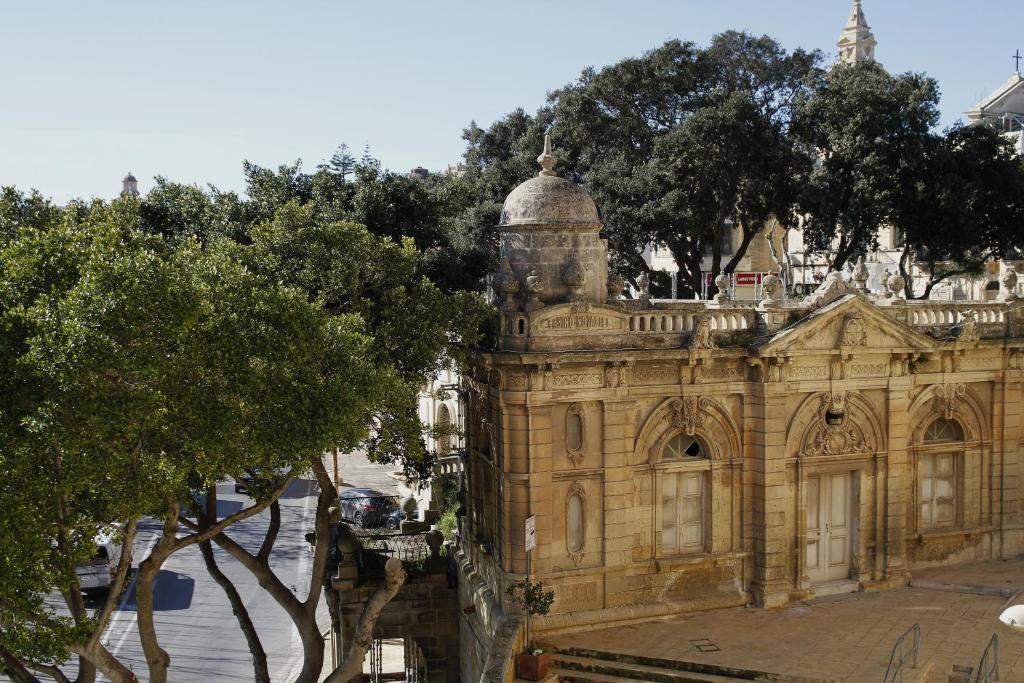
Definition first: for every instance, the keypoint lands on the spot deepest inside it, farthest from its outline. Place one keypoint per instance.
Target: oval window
(574, 431)
(574, 527)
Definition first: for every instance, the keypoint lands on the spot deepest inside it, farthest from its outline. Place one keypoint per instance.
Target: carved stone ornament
(534, 288)
(576, 453)
(854, 333)
(643, 281)
(574, 278)
(576, 489)
(507, 286)
(828, 437)
(613, 375)
(722, 283)
(948, 398)
(772, 287)
(897, 285)
(861, 275)
(689, 414)
(969, 328)
(1008, 285)
(702, 336)
(616, 283)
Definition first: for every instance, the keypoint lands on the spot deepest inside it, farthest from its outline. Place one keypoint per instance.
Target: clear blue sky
(189, 89)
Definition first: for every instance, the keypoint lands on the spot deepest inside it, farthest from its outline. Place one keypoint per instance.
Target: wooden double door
(829, 527)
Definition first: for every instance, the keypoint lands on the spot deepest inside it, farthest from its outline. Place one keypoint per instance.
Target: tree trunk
(156, 657)
(261, 674)
(351, 666)
(18, 672)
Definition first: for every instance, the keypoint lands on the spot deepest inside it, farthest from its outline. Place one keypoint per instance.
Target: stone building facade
(692, 455)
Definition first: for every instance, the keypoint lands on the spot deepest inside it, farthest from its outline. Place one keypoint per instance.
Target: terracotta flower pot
(534, 667)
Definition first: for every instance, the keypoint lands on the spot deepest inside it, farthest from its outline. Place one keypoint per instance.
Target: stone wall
(426, 611)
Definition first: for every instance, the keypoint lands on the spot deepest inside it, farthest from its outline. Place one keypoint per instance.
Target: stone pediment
(848, 324)
(576, 319)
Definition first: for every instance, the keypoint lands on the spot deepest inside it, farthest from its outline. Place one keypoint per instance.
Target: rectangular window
(682, 511)
(937, 490)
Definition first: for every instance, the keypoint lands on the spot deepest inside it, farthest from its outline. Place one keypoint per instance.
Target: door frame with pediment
(817, 448)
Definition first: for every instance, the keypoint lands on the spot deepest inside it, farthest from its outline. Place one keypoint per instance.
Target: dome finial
(547, 158)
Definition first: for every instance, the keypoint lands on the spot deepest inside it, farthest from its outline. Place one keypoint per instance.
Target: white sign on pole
(531, 533)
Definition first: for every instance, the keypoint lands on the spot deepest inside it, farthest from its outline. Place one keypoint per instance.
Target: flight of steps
(577, 665)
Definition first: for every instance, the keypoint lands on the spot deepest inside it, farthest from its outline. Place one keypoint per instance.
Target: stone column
(898, 480)
(515, 444)
(540, 490)
(1008, 446)
(619, 503)
(770, 494)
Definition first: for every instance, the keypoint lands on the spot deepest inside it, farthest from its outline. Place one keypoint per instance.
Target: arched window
(938, 474)
(682, 446)
(574, 432)
(444, 421)
(575, 527)
(684, 482)
(943, 430)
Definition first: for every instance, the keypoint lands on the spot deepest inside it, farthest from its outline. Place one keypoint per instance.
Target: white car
(98, 573)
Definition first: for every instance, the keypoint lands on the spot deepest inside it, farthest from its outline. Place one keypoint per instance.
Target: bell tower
(856, 42)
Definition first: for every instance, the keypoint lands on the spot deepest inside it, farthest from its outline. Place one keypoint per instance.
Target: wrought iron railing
(901, 653)
(988, 667)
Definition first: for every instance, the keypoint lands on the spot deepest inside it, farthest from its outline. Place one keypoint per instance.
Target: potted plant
(532, 664)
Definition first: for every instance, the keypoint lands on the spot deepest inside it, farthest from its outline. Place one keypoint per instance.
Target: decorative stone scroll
(833, 433)
(576, 552)
(947, 399)
(689, 414)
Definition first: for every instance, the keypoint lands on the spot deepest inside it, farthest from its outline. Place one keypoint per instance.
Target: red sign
(747, 278)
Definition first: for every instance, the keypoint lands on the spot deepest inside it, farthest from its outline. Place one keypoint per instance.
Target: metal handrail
(894, 672)
(988, 671)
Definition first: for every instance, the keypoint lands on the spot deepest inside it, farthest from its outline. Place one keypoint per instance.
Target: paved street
(194, 620)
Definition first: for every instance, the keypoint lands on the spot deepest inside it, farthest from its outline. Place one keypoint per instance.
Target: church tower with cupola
(856, 43)
(129, 186)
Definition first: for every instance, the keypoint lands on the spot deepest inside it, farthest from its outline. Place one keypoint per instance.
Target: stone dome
(548, 200)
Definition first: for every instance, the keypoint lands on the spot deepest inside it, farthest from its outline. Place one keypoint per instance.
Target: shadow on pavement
(301, 488)
(171, 591)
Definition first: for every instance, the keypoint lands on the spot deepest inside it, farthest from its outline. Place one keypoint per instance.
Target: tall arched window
(939, 470)
(684, 482)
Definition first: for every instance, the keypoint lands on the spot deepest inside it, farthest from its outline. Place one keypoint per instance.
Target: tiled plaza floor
(848, 637)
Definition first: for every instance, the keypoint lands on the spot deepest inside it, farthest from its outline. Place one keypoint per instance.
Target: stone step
(724, 672)
(571, 669)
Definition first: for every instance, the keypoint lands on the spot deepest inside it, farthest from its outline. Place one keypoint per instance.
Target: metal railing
(894, 672)
(988, 667)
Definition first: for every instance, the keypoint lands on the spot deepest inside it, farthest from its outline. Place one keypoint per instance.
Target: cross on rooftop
(1017, 58)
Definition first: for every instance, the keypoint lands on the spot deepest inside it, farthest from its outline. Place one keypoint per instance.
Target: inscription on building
(582, 321)
(576, 379)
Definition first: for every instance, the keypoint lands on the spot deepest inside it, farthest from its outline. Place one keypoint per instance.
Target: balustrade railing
(988, 667)
(901, 652)
(685, 321)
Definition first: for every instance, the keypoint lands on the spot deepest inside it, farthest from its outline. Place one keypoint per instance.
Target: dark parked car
(369, 508)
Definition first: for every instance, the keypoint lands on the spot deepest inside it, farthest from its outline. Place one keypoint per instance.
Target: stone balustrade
(933, 313)
(676, 317)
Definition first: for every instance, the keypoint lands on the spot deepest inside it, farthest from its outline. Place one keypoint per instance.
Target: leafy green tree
(148, 369)
(963, 206)
(870, 131)
(671, 144)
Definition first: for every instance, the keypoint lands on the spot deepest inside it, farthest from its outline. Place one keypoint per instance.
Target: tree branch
(362, 639)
